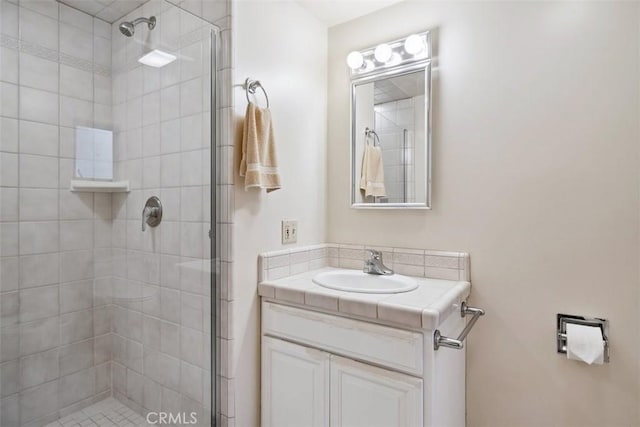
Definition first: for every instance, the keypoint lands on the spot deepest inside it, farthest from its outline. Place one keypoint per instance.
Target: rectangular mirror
(390, 138)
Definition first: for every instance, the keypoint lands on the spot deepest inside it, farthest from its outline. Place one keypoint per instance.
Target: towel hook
(250, 87)
(368, 132)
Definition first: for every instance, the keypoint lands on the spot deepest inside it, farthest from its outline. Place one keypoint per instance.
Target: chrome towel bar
(458, 343)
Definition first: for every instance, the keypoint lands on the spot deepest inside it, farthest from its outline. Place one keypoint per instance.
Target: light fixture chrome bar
(458, 343)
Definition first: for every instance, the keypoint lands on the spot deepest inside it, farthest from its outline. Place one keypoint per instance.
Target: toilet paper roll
(585, 343)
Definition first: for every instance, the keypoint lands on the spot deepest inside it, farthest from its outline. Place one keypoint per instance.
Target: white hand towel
(259, 165)
(372, 179)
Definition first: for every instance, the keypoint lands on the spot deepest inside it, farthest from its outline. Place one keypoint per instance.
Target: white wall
(535, 173)
(284, 47)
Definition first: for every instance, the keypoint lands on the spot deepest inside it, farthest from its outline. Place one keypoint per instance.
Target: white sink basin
(358, 281)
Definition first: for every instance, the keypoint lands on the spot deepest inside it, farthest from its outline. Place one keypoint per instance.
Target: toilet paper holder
(563, 319)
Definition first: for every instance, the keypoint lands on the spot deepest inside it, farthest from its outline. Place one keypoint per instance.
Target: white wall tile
(170, 101)
(38, 204)
(9, 171)
(9, 101)
(191, 97)
(76, 205)
(8, 135)
(38, 106)
(74, 17)
(38, 237)
(9, 18)
(39, 270)
(76, 387)
(38, 29)
(8, 204)
(38, 368)
(76, 296)
(76, 235)
(170, 136)
(76, 326)
(38, 73)
(38, 303)
(76, 42)
(38, 138)
(9, 308)
(76, 265)
(39, 401)
(10, 377)
(75, 112)
(76, 83)
(38, 171)
(9, 238)
(39, 336)
(9, 268)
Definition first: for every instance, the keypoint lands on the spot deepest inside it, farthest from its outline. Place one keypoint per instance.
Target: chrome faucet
(374, 265)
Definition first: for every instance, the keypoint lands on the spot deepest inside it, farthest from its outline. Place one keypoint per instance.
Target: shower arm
(151, 22)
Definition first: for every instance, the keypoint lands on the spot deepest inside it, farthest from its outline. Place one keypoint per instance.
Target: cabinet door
(367, 396)
(295, 385)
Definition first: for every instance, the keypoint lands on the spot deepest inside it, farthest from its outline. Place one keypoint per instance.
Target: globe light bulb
(413, 45)
(355, 60)
(382, 52)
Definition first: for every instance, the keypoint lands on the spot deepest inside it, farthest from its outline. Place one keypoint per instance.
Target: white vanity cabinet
(295, 383)
(323, 369)
(365, 395)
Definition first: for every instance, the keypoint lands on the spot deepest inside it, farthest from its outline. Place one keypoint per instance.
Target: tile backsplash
(411, 262)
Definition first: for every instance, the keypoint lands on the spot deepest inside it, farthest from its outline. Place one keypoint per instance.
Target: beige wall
(284, 47)
(535, 173)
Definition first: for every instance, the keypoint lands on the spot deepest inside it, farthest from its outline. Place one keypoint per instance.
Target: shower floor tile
(106, 413)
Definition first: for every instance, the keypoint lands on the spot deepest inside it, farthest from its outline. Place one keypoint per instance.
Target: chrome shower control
(152, 213)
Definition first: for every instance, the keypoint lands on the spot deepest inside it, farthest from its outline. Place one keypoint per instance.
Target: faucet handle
(151, 213)
(374, 254)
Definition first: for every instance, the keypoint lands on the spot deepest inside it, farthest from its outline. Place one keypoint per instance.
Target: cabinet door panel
(367, 396)
(295, 385)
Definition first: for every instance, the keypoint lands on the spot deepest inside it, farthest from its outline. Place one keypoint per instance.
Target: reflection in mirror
(390, 141)
(393, 119)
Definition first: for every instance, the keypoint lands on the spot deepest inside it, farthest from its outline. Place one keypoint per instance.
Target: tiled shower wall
(161, 285)
(395, 126)
(55, 245)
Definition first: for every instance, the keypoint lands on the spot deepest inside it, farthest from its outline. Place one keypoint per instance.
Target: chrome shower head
(128, 28)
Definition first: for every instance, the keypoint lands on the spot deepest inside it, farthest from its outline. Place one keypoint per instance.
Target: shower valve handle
(152, 213)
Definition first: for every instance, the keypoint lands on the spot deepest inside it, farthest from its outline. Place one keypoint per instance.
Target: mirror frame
(423, 65)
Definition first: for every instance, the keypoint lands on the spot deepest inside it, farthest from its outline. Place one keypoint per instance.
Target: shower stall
(108, 214)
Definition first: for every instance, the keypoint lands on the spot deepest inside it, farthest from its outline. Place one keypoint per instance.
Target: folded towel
(259, 165)
(372, 179)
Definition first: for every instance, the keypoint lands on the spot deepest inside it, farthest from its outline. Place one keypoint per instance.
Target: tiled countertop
(425, 307)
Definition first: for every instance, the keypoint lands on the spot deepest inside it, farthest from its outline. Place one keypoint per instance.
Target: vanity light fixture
(415, 47)
(157, 58)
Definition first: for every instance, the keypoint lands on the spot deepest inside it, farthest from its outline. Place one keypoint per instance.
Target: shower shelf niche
(99, 186)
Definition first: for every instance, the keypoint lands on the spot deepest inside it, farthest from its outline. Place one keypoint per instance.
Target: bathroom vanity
(338, 358)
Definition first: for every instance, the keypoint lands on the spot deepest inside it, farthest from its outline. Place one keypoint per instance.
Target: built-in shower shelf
(100, 186)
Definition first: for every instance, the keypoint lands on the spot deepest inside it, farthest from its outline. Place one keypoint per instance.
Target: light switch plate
(289, 231)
